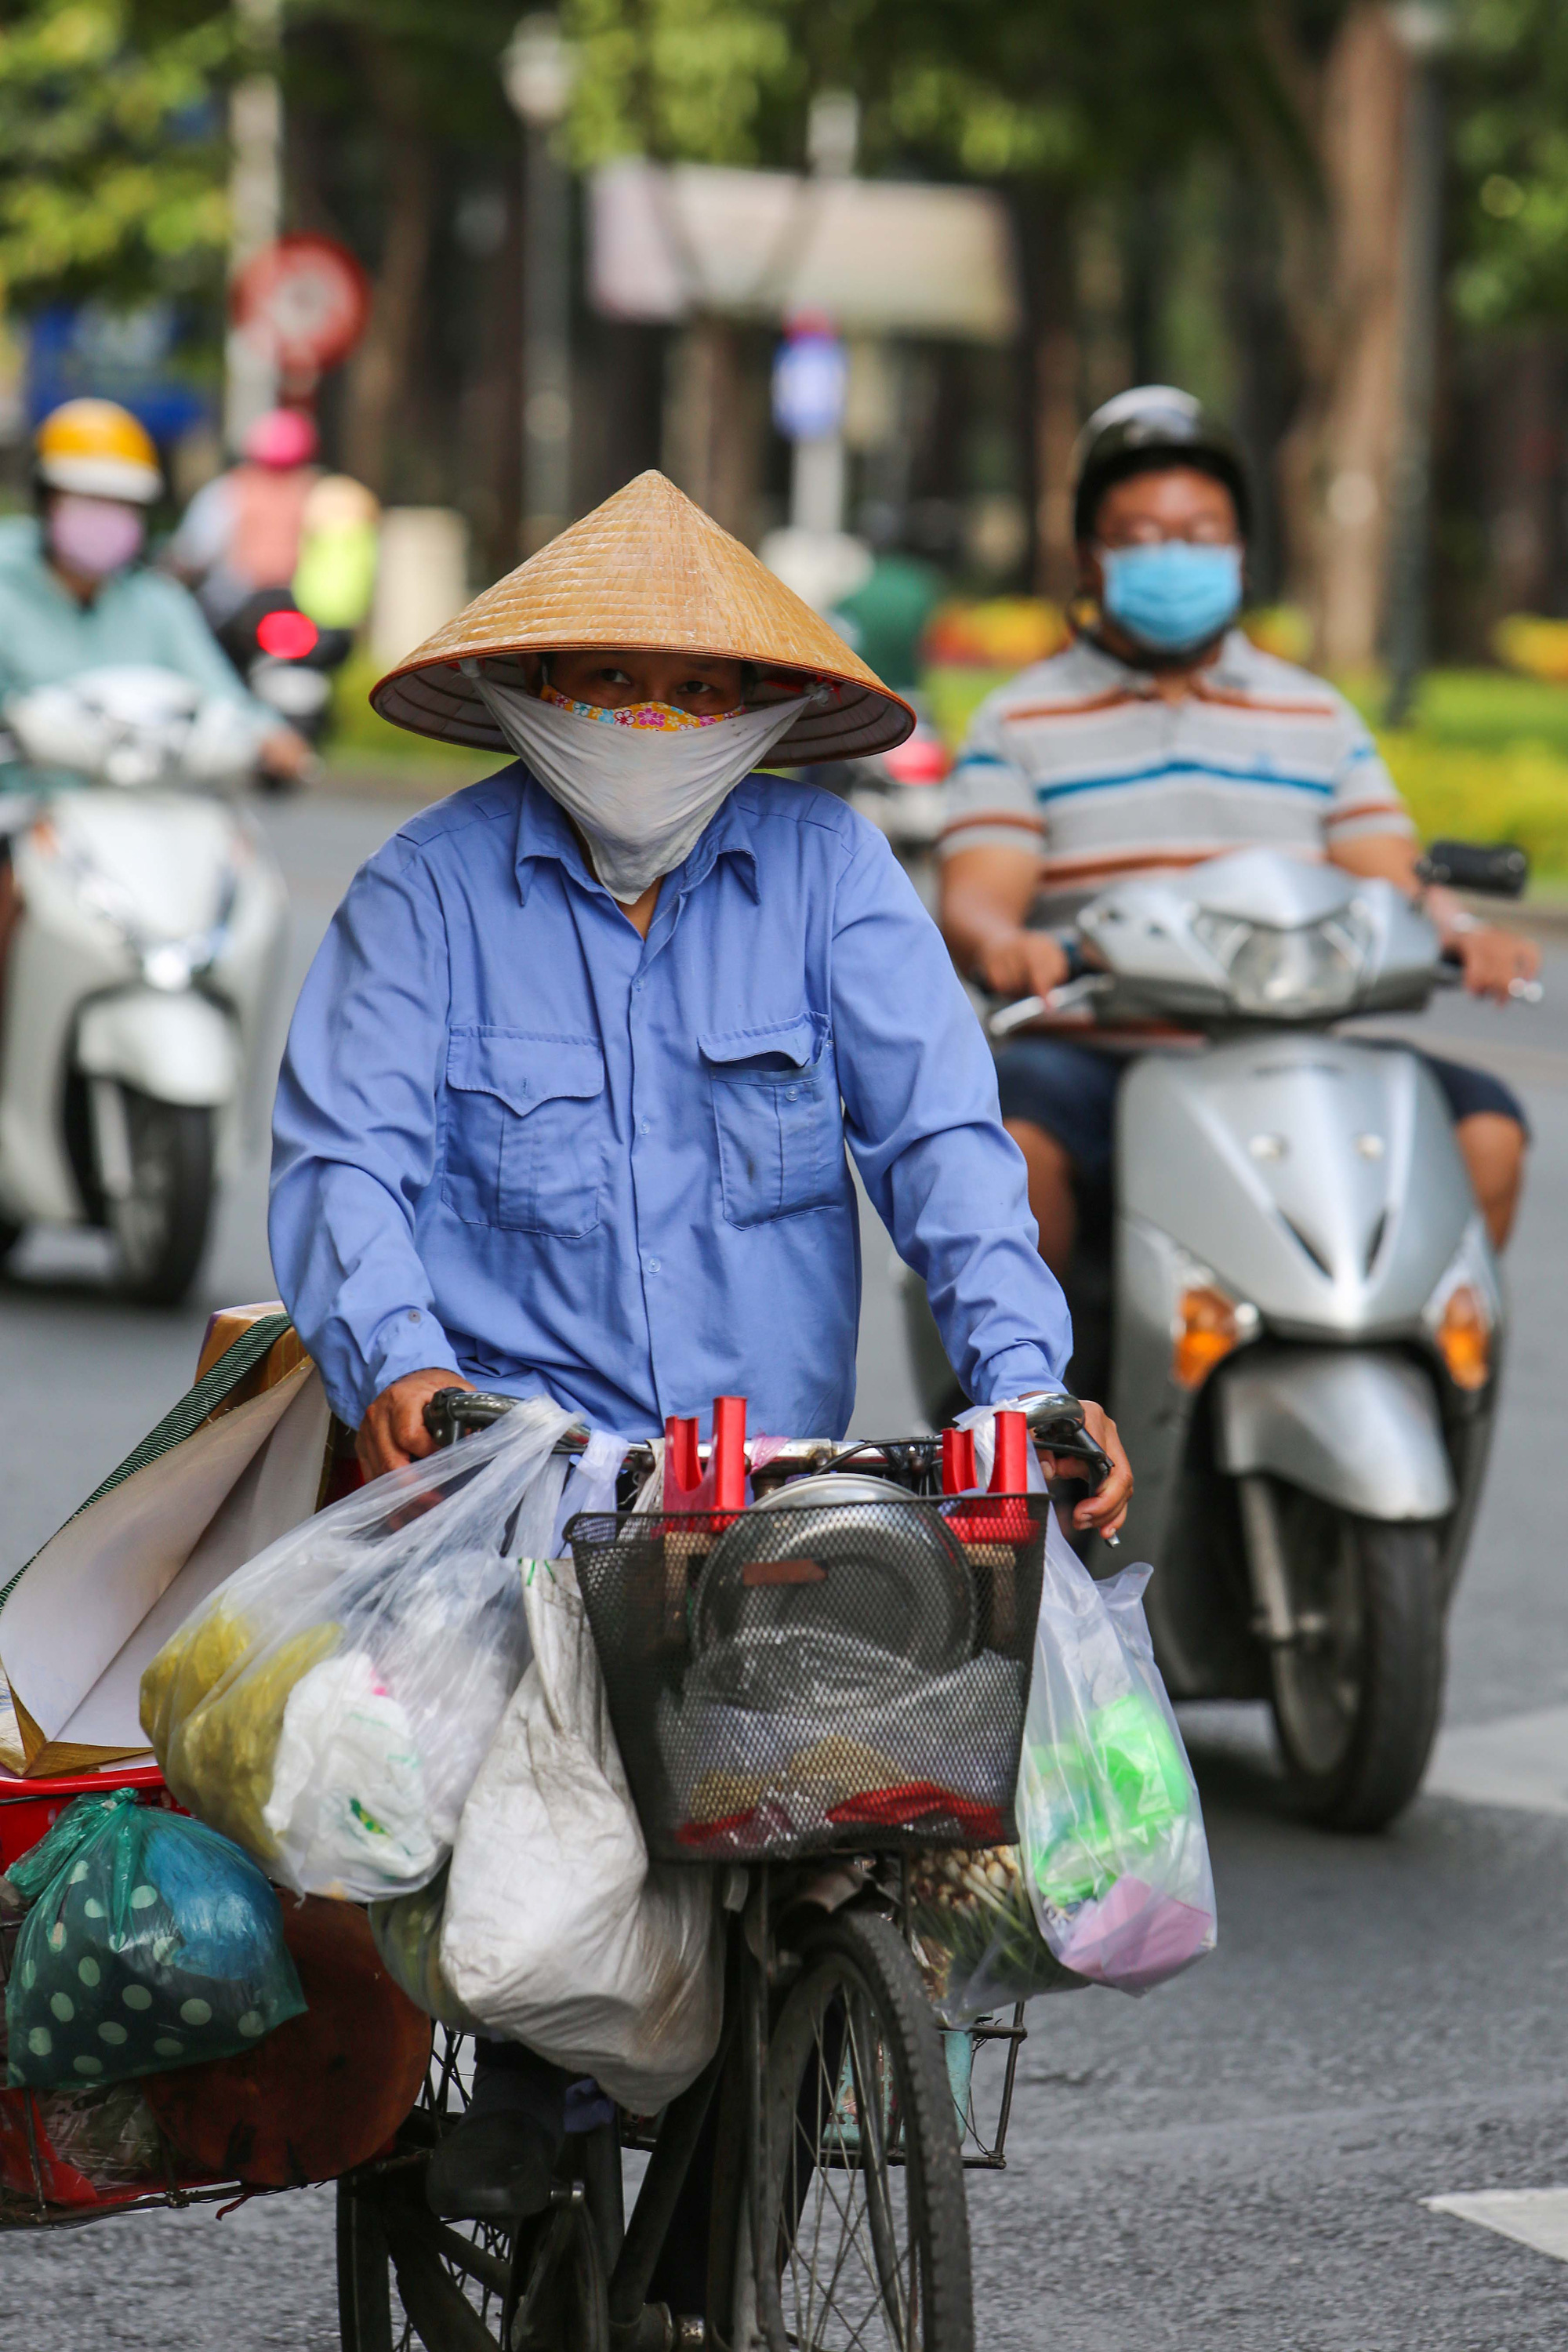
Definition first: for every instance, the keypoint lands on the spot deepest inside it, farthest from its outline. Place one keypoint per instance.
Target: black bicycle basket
(842, 1677)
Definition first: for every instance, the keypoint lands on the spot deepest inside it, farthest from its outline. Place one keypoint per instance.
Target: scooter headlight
(1463, 1312)
(1279, 975)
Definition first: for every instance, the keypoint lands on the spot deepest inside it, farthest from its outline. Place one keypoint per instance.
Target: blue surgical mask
(1174, 596)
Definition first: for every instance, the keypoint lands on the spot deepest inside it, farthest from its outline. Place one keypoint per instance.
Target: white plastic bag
(1110, 1829)
(328, 1706)
(559, 1933)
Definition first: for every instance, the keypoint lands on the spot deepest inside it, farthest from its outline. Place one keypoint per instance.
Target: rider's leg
(1493, 1135)
(500, 2160)
(1058, 1104)
(1493, 1149)
(1052, 1202)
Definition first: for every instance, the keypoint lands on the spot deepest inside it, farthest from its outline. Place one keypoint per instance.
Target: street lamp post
(256, 207)
(537, 70)
(1424, 30)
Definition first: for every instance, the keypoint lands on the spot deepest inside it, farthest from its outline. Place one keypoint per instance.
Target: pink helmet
(282, 438)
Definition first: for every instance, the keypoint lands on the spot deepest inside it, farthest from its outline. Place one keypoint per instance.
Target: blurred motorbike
(143, 967)
(1297, 1304)
(286, 660)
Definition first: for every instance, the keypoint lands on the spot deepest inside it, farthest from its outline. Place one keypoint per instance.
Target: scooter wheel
(1357, 1696)
(162, 1223)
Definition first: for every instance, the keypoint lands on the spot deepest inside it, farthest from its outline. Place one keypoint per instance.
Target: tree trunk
(1045, 227)
(1340, 282)
(711, 433)
(1365, 91)
(380, 370)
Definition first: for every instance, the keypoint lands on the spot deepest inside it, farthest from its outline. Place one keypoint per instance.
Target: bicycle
(835, 2118)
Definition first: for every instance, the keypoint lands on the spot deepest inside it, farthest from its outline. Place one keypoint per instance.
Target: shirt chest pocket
(527, 1131)
(776, 1114)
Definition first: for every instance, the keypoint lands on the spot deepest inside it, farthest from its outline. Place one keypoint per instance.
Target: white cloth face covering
(640, 797)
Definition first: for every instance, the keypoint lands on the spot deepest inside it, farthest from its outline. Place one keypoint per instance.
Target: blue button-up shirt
(515, 1138)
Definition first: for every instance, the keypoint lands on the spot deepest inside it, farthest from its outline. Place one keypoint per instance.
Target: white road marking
(1535, 2216)
(1521, 1762)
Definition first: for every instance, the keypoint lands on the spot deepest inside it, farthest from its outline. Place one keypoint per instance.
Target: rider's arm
(919, 1098)
(986, 891)
(992, 858)
(354, 1137)
(189, 646)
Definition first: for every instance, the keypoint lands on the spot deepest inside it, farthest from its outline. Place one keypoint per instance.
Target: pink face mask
(95, 536)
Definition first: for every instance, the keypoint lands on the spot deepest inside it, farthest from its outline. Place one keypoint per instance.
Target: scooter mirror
(1496, 870)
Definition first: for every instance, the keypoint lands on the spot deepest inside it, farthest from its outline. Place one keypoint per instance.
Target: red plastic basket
(29, 1808)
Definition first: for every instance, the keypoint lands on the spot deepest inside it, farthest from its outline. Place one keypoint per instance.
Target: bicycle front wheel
(861, 2207)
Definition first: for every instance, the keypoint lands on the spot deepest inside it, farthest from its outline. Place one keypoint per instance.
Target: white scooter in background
(141, 974)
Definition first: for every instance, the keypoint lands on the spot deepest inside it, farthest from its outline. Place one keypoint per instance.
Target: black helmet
(1139, 431)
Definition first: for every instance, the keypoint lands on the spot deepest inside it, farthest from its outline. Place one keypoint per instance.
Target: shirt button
(414, 1315)
(653, 1265)
(645, 1127)
(791, 1094)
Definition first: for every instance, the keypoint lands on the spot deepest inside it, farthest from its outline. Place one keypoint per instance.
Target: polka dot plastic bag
(151, 1943)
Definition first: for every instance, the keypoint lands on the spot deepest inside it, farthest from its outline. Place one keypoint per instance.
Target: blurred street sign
(130, 355)
(811, 377)
(303, 301)
(879, 257)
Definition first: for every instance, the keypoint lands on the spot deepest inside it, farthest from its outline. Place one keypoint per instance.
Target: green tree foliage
(1064, 91)
(112, 156)
(1511, 147)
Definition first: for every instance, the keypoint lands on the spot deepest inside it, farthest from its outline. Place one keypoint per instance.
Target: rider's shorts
(1071, 1090)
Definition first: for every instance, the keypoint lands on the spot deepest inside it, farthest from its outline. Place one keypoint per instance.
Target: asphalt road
(1238, 2162)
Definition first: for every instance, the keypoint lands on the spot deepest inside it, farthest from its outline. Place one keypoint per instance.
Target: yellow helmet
(99, 449)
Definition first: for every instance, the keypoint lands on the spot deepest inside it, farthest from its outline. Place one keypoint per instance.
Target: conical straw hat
(646, 569)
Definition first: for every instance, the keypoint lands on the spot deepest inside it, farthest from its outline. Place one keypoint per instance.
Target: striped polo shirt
(1079, 761)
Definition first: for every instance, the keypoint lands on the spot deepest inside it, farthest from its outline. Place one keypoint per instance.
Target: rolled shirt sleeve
(354, 1137)
(924, 1127)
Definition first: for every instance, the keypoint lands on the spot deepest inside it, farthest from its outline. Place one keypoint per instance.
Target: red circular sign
(304, 299)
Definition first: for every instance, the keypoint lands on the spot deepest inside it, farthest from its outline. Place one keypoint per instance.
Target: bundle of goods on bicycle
(843, 1663)
(79, 2148)
(148, 1943)
(328, 1705)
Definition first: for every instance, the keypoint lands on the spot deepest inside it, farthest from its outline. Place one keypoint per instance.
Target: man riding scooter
(566, 1097)
(1161, 738)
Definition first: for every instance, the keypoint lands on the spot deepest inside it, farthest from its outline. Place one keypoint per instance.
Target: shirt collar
(543, 830)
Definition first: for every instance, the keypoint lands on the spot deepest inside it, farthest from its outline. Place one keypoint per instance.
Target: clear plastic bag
(558, 1932)
(976, 1937)
(328, 1705)
(151, 1944)
(1112, 1832)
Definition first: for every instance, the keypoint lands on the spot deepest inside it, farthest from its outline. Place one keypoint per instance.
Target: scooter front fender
(1357, 1427)
(177, 1048)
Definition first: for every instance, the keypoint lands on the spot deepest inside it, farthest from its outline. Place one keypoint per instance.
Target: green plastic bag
(151, 1943)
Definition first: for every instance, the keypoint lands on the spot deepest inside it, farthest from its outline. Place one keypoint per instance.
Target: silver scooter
(1305, 1317)
(141, 973)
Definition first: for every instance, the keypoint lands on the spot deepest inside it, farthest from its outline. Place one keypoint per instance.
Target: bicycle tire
(405, 2279)
(884, 2258)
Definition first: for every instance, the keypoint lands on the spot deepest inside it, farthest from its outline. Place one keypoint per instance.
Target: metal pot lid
(876, 1567)
(833, 1487)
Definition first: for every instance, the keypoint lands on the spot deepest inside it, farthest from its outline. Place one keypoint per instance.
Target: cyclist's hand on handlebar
(1104, 1510)
(1021, 964)
(1492, 959)
(393, 1432)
